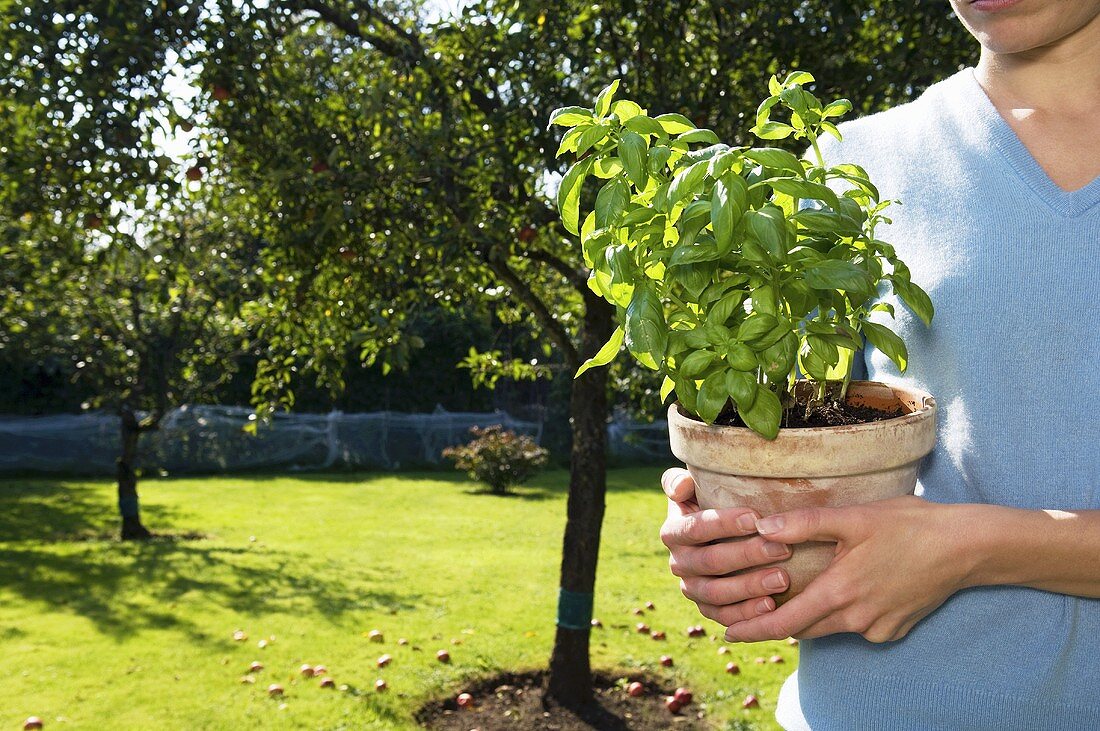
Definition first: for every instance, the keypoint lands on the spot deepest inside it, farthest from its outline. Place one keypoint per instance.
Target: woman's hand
(705, 545)
(896, 561)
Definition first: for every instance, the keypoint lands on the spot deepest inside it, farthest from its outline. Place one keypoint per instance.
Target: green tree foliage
(385, 160)
(147, 317)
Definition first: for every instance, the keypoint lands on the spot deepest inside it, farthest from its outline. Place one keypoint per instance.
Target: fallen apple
(384, 661)
(597, 623)
(696, 631)
(261, 644)
(638, 611)
(649, 605)
(657, 635)
(306, 670)
(239, 635)
(684, 695)
(759, 661)
(33, 722)
(666, 661)
(255, 667)
(673, 705)
(443, 656)
(380, 686)
(723, 650)
(328, 683)
(248, 679)
(792, 641)
(464, 700)
(374, 635)
(635, 690)
(274, 690)
(733, 668)
(641, 627)
(402, 641)
(776, 659)
(750, 702)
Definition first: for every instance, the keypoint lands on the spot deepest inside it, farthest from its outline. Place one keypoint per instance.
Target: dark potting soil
(514, 702)
(833, 413)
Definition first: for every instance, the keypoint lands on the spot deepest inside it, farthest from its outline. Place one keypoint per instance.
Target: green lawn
(98, 634)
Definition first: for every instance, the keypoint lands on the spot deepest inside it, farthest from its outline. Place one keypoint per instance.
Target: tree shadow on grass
(50, 511)
(47, 559)
(123, 587)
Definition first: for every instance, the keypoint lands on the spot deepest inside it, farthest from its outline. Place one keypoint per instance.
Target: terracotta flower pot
(814, 467)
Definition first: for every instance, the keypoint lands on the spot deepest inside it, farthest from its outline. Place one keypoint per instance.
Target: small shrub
(498, 457)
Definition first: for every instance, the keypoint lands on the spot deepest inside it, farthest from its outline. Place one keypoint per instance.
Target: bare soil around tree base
(514, 702)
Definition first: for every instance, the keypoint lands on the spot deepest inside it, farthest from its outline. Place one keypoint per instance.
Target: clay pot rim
(812, 452)
(927, 401)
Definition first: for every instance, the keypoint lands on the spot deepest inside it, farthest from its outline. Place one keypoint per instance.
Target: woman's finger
(734, 589)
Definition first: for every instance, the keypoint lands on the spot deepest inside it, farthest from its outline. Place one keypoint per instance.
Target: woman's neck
(1050, 96)
(1062, 75)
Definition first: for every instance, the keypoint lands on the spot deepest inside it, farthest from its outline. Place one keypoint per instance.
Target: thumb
(678, 485)
(810, 524)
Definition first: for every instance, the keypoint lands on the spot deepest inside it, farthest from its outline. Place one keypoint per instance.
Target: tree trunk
(132, 529)
(570, 681)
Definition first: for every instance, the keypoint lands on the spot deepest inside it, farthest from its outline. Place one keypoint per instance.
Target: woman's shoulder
(902, 132)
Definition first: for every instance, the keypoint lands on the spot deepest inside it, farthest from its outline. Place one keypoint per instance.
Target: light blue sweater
(1012, 264)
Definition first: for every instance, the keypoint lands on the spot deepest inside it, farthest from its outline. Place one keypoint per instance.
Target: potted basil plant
(747, 277)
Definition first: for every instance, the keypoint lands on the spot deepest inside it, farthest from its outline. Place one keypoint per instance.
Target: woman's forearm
(1053, 550)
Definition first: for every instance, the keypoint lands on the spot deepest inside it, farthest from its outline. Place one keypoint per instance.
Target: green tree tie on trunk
(575, 609)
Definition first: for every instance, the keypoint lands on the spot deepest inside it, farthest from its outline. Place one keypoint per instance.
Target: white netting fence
(212, 439)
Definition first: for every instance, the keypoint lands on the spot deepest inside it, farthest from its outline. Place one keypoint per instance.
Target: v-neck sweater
(1012, 264)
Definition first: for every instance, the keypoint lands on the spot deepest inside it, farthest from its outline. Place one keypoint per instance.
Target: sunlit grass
(100, 634)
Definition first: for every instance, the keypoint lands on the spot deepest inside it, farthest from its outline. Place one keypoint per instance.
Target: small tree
(149, 316)
(500, 458)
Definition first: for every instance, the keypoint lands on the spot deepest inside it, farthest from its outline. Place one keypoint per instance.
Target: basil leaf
(887, 341)
(837, 274)
(603, 99)
(775, 158)
(741, 386)
(632, 152)
(686, 182)
(606, 354)
(696, 363)
(569, 194)
(916, 299)
(570, 116)
(764, 415)
(712, 397)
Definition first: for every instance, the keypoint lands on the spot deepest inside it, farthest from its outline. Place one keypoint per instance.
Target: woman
(973, 605)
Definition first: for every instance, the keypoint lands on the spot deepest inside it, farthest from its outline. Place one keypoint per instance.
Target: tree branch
(352, 28)
(374, 14)
(576, 278)
(522, 292)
